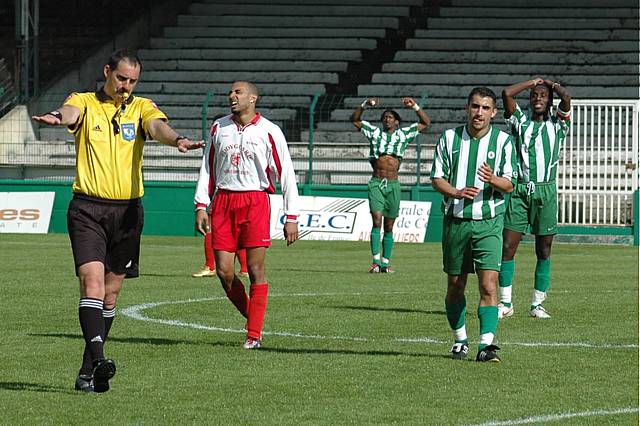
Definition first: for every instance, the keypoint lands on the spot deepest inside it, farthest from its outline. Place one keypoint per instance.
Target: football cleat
(252, 343)
(539, 312)
(205, 271)
(488, 354)
(374, 268)
(103, 370)
(386, 270)
(84, 383)
(504, 311)
(459, 350)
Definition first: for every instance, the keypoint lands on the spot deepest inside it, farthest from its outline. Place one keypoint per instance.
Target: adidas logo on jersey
(97, 128)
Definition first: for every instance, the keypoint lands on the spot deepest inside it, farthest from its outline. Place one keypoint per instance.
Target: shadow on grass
(351, 352)
(138, 340)
(398, 310)
(33, 387)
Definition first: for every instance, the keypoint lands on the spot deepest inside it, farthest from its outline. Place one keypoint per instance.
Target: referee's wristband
(57, 114)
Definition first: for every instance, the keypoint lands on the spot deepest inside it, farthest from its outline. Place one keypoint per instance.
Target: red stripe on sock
(257, 309)
(208, 251)
(242, 258)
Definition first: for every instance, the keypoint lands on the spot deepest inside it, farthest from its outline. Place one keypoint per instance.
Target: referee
(105, 216)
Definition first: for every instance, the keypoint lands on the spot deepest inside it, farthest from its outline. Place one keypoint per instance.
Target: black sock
(92, 324)
(87, 362)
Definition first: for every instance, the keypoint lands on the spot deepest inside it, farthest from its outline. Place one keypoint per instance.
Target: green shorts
(536, 208)
(468, 245)
(384, 196)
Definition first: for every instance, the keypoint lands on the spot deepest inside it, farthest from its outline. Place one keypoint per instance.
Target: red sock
(242, 258)
(208, 251)
(257, 309)
(238, 297)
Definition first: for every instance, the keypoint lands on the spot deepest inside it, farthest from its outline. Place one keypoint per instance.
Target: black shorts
(106, 231)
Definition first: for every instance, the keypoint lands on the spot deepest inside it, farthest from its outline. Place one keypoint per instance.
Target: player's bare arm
(356, 115)
(163, 133)
(446, 189)
(501, 184)
(202, 221)
(63, 116)
(565, 96)
(424, 118)
(511, 92)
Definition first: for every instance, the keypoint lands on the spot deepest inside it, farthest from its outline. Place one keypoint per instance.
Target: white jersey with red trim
(248, 158)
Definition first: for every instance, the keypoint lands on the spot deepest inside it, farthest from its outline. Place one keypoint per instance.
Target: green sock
(387, 246)
(375, 241)
(488, 316)
(456, 313)
(505, 280)
(543, 275)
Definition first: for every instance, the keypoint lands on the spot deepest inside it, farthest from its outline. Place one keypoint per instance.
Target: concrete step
(543, 3)
(221, 10)
(220, 100)
(175, 112)
(533, 21)
(366, 3)
(202, 88)
(408, 115)
(274, 32)
(239, 21)
(451, 91)
(530, 34)
(257, 77)
(238, 65)
(516, 57)
(567, 13)
(252, 54)
(509, 68)
(266, 43)
(501, 79)
(559, 46)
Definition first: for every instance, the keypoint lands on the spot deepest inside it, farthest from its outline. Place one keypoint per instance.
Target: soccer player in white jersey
(245, 155)
(386, 149)
(474, 167)
(534, 202)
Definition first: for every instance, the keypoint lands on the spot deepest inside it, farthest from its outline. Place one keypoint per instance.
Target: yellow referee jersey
(109, 142)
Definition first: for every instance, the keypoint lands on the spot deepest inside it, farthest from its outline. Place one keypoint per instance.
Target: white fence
(598, 169)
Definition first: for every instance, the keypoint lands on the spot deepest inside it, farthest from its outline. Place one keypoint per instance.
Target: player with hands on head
(387, 146)
(534, 203)
(474, 167)
(105, 216)
(245, 155)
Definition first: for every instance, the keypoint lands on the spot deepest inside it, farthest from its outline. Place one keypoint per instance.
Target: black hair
(483, 92)
(123, 55)
(392, 112)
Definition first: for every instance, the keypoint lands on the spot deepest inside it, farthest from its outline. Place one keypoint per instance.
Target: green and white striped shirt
(383, 143)
(457, 159)
(538, 144)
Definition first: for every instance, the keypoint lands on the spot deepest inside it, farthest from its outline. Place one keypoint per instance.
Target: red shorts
(240, 220)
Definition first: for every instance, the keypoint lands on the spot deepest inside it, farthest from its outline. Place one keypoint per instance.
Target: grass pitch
(341, 346)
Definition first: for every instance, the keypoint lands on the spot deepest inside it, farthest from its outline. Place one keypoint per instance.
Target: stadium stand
(590, 45)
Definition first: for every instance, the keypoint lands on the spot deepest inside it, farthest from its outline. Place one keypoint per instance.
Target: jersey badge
(491, 155)
(128, 131)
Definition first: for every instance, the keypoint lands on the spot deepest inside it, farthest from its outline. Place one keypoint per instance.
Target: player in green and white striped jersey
(534, 202)
(386, 149)
(474, 166)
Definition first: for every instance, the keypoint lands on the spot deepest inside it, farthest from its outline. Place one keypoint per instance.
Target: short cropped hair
(483, 92)
(123, 55)
(253, 89)
(392, 112)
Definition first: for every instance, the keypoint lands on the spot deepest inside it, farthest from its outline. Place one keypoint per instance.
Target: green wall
(169, 207)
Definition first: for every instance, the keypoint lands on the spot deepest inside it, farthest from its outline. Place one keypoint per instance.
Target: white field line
(558, 417)
(137, 312)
